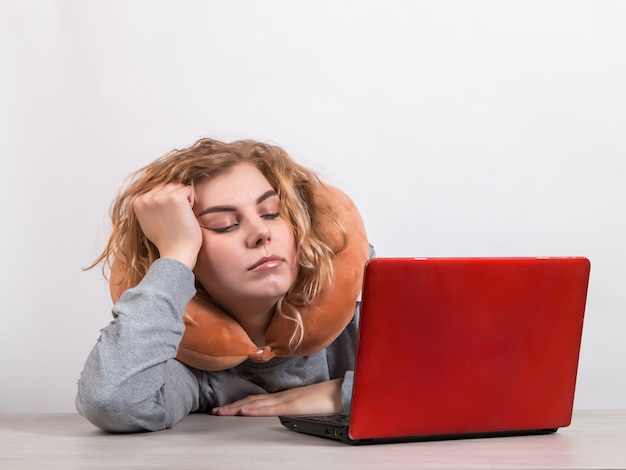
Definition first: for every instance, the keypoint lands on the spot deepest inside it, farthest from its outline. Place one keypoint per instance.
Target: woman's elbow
(114, 411)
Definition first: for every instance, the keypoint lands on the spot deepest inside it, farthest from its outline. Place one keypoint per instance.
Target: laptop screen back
(467, 345)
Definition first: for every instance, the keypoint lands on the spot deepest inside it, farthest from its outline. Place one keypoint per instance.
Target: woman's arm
(328, 397)
(131, 381)
(319, 398)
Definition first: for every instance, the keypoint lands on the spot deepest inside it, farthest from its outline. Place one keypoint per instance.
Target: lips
(266, 262)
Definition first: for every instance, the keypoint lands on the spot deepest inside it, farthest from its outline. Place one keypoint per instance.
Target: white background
(460, 128)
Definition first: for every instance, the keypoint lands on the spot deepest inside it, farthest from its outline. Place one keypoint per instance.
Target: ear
(215, 341)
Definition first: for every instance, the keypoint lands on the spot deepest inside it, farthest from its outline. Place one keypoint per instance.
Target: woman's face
(248, 251)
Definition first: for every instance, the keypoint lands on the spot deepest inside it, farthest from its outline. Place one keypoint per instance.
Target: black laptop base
(338, 430)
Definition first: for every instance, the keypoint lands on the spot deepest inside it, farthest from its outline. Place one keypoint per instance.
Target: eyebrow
(212, 209)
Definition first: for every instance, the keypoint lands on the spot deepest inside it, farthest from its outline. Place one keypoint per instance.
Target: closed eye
(227, 228)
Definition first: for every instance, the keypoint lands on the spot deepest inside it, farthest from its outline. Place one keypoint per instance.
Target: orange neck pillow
(213, 340)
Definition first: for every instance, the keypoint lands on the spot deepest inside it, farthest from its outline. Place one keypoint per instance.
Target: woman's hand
(320, 398)
(166, 217)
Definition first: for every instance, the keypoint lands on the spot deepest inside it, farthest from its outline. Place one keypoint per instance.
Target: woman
(232, 222)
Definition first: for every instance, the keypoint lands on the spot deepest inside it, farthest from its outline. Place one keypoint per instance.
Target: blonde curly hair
(294, 184)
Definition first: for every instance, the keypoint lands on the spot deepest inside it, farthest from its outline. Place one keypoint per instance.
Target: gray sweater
(132, 382)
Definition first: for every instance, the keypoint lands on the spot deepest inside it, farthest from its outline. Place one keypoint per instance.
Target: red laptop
(462, 347)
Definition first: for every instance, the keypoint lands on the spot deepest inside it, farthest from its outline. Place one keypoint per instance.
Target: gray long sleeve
(131, 381)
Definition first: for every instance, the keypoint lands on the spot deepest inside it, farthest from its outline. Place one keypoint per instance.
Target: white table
(595, 439)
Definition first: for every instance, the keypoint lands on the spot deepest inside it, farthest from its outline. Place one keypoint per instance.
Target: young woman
(236, 224)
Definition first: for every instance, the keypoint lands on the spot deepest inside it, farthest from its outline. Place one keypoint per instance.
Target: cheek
(212, 266)
(211, 254)
(288, 238)
(290, 246)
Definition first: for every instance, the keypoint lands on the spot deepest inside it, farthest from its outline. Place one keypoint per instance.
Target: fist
(166, 217)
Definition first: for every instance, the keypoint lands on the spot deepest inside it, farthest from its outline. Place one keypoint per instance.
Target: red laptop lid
(467, 345)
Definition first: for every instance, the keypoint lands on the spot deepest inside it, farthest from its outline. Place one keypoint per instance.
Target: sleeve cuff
(169, 279)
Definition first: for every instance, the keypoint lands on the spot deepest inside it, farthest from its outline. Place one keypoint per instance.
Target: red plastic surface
(468, 345)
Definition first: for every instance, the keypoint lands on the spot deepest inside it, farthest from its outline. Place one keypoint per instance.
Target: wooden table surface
(595, 439)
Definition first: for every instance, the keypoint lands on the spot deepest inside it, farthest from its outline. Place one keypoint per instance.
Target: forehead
(240, 183)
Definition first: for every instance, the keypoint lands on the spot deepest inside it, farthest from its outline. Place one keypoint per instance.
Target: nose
(259, 233)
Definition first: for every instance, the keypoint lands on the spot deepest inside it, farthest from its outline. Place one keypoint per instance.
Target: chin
(272, 296)
(276, 294)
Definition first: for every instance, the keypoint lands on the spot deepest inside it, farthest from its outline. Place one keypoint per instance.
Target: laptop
(454, 348)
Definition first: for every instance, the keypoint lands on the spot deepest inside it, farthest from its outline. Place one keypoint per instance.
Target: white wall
(459, 128)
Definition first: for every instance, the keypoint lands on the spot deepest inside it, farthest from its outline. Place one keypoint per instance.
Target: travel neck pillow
(213, 340)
